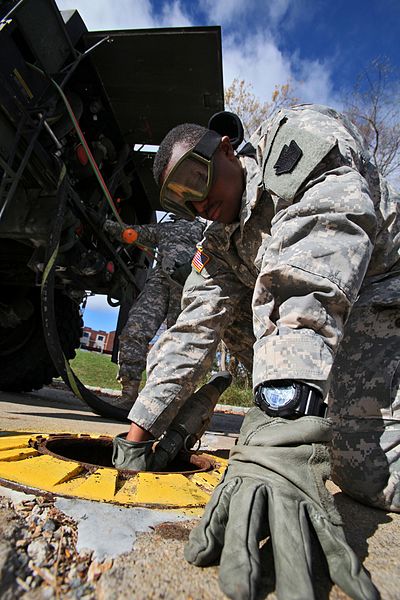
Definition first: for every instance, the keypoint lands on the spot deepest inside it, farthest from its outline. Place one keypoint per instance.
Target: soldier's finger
(207, 539)
(291, 544)
(240, 569)
(344, 567)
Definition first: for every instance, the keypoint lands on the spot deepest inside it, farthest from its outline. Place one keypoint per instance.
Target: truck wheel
(25, 361)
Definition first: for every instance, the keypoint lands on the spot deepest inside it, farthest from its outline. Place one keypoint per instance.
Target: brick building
(97, 340)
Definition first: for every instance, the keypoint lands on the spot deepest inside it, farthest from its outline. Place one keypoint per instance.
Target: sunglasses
(191, 178)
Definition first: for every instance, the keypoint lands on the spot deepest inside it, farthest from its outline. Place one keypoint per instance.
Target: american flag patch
(200, 259)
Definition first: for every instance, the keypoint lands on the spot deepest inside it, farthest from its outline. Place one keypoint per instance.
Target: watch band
(306, 400)
(311, 403)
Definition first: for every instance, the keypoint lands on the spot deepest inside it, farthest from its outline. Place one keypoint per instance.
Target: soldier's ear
(226, 147)
(228, 123)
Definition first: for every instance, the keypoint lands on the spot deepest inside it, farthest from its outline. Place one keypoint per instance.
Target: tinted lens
(189, 181)
(182, 210)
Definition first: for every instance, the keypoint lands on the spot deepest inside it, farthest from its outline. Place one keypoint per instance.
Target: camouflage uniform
(160, 299)
(317, 252)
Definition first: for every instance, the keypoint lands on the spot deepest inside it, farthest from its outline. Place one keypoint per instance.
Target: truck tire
(25, 361)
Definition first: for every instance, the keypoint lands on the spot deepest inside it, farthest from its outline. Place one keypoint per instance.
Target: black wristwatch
(289, 399)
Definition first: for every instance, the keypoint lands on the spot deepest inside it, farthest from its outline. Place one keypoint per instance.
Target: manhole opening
(98, 452)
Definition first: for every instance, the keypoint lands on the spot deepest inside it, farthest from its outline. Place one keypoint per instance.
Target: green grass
(237, 396)
(97, 370)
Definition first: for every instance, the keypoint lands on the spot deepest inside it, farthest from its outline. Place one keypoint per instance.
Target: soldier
(306, 243)
(160, 299)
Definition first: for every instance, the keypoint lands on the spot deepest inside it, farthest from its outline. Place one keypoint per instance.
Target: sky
(319, 46)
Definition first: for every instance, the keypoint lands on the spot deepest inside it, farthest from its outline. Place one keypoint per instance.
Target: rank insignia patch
(288, 158)
(200, 259)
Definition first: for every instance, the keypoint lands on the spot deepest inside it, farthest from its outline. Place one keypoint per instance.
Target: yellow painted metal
(169, 490)
(100, 485)
(10, 442)
(17, 454)
(206, 480)
(23, 466)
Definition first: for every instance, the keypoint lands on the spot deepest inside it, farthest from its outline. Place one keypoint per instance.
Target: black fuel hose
(61, 363)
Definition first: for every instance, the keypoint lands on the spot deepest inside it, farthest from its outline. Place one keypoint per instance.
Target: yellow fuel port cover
(80, 466)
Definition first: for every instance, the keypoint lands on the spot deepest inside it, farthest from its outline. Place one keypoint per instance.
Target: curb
(221, 408)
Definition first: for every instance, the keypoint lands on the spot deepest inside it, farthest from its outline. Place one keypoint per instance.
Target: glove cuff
(134, 456)
(259, 429)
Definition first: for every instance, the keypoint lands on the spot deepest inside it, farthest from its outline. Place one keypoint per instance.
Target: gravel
(38, 556)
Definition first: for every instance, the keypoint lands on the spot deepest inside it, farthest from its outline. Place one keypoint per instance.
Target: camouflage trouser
(159, 300)
(365, 400)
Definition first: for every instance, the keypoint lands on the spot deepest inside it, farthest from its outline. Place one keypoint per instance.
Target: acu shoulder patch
(292, 156)
(288, 158)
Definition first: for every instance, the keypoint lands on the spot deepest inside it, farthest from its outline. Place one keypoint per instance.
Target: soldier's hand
(275, 487)
(123, 233)
(113, 229)
(184, 431)
(135, 456)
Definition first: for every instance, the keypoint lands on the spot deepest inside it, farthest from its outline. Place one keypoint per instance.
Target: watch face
(279, 397)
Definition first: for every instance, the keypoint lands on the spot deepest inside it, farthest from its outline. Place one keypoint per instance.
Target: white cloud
(126, 14)
(257, 61)
(225, 12)
(313, 83)
(98, 303)
(235, 12)
(108, 14)
(257, 57)
(260, 62)
(277, 10)
(173, 16)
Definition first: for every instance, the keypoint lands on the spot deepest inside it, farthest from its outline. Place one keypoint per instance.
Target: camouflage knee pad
(365, 408)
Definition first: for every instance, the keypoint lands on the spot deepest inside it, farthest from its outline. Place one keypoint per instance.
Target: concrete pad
(119, 526)
(156, 568)
(52, 410)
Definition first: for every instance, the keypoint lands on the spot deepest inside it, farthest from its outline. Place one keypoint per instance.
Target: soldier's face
(224, 198)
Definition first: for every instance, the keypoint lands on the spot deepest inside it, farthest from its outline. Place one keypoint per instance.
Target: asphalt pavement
(66, 547)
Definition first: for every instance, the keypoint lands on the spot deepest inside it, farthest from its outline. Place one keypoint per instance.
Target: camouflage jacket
(316, 222)
(175, 240)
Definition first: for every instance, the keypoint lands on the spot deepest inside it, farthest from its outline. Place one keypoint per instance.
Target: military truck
(78, 109)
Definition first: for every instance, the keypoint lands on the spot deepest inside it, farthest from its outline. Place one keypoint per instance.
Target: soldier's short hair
(187, 133)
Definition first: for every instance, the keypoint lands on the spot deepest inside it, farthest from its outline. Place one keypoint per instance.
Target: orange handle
(129, 236)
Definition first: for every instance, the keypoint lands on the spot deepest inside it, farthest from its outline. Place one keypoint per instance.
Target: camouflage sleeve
(148, 234)
(177, 244)
(184, 353)
(322, 241)
(181, 234)
(197, 229)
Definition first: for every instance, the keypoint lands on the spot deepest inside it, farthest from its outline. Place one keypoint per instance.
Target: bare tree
(222, 356)
(240, 99)
(374, 106)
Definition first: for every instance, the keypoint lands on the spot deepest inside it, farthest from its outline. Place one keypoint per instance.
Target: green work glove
(134, 456)
(275, 486)
(184, 431)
